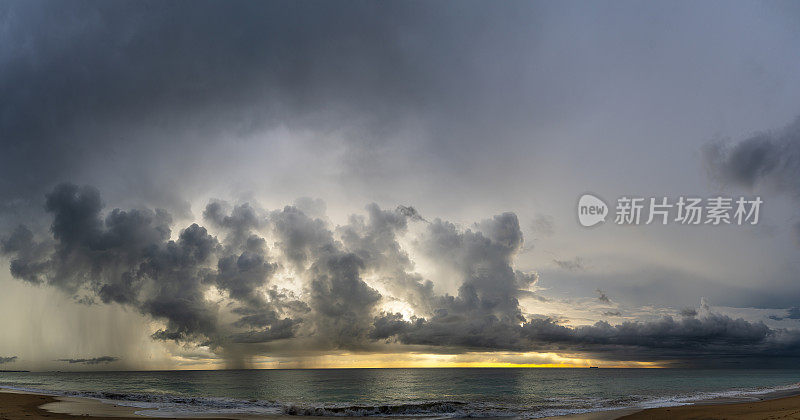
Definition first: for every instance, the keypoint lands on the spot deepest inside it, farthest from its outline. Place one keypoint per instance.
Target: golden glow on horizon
(420, 360)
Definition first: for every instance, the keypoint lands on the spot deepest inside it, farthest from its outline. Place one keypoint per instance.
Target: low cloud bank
(91, 361)
(283, 281)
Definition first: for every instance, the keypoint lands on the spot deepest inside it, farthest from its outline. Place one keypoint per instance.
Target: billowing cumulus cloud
(279, 280)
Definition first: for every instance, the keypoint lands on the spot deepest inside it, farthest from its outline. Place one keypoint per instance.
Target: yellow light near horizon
(429, 360)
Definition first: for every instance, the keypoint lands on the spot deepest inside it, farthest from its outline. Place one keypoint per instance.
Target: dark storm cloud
(10, 359)
(241, 220)
(89, 87)
(92, 361)
(341, 304)
(31, 256)
(128, 258)
(689, 312)
(770, 159)
(483, 258)
(485, 313)
(684, 342)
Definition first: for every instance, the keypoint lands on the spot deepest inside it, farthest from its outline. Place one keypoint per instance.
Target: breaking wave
(168, 405)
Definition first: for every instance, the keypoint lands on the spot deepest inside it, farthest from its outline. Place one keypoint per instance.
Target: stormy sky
(314, 184)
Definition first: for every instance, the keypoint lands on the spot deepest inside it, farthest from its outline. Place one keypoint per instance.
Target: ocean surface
(520, 393)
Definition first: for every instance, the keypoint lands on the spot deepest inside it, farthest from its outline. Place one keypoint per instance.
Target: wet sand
(14, 405)
(23, 405)
(778, 408)
(17, 405)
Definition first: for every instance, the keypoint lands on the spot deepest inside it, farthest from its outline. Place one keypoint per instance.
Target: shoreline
(18, 404)
(763, 408)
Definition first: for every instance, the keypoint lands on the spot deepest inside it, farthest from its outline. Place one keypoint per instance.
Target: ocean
(450, 392)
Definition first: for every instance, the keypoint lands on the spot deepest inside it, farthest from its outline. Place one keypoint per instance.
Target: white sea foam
(167, 405)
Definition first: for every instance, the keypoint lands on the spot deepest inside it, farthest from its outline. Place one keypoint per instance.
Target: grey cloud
(375, 241)
(91, 361)
(241, 275)
(313, 207)
(612, 313)
(602, 297)
(192, 72)
(684, 342)
(278, 329)
(574, 264)
(9, 359)
(485, 313)
(483, 258)
(241, 220)
(139, 98)
(667, 338)
(128, 258)
(300, 237)
(31, 259)
(411, 213)
(765, 161)
(689, 312)
(341, 305)
(769, 159)
(745, 163)
(791, 313)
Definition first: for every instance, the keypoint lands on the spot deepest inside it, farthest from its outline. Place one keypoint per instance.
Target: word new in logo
(591, 210)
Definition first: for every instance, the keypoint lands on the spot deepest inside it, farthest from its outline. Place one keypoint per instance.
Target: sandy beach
(18, 405)
(779, 408)
(25, 406)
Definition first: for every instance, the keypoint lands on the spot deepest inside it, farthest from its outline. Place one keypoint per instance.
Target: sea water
(450, 392)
